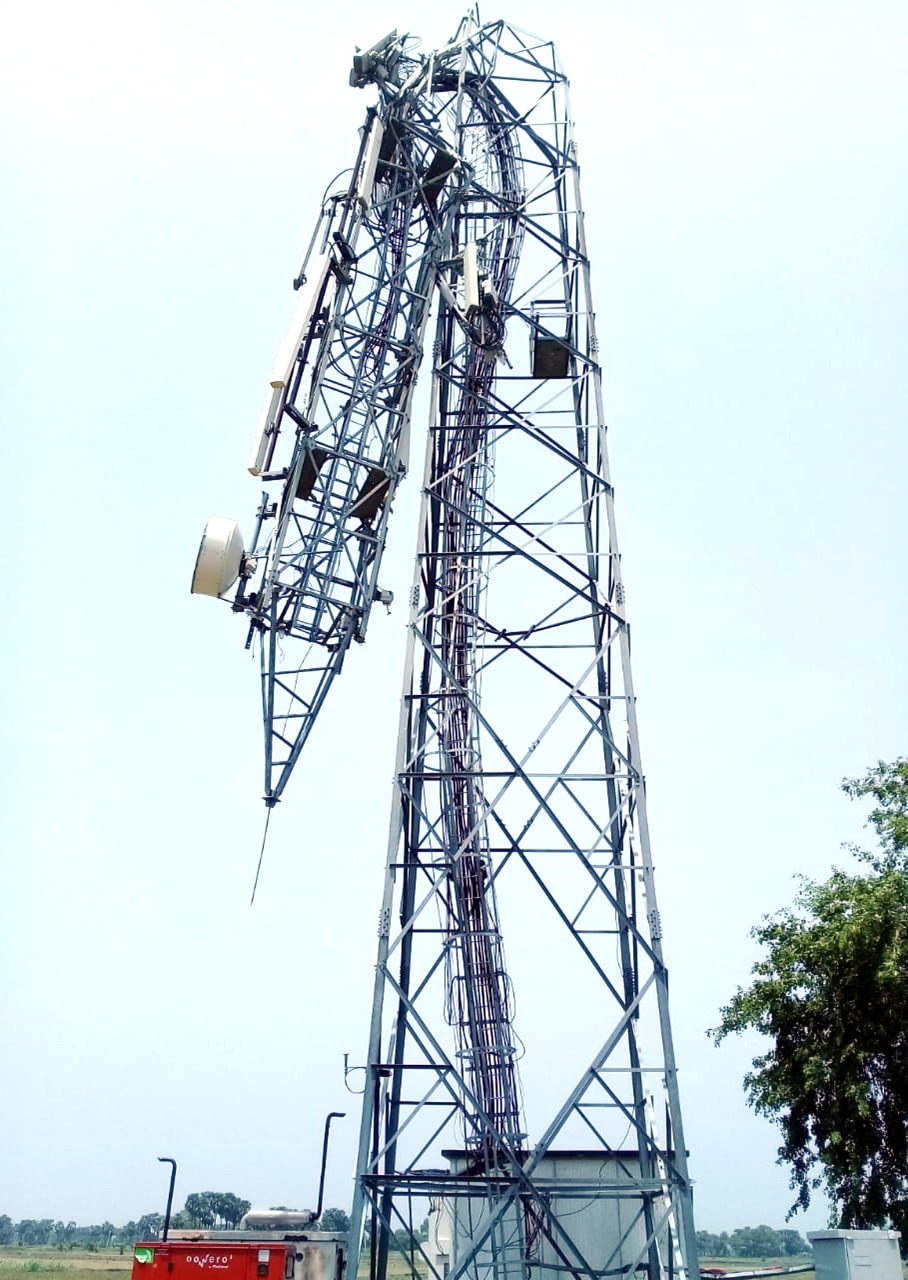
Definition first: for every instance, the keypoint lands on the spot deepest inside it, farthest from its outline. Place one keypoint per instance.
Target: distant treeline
(751, 1242)
(70, 1235)
(221, 1209)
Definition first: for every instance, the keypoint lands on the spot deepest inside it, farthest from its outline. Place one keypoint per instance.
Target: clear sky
(745, 182)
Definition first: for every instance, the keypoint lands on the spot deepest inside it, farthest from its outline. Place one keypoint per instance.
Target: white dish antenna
(220, 557)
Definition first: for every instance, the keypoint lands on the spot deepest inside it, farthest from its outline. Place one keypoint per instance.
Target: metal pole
(173, 1178)
(321, 1181)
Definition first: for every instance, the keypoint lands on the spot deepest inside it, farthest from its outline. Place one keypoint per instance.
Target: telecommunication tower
(518, 790)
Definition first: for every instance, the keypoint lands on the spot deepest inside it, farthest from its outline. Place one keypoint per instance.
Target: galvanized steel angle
(286, 688)
(604, 869)
(522, 1184)
(275, 733)
(550, 179)
(520, 115)
(517, 643)
(509, 644)
(624, 918)
(376, 1196)
(626, 1235)
(644, 1136)
(666, 1216)
(570, 843)
(512, 419)
(436, 1082)
(521, 37)
(619, 1030)
(421, 1034)
(461, 465)
(549, 622)
(517, 417)
(434, 895)
(541, 882)
(318, 698)
(494, 534)
(581, 1112)
(518, 771)
(575, 464)
(605, 731)
(410, 927)
(439, 1129)
(594, 822)
(606, 1146)
(550, 151)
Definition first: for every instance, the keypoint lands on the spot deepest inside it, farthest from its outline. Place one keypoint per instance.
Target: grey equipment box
(856, 1255)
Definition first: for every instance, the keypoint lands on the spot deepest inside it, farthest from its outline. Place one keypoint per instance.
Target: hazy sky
(745, 182)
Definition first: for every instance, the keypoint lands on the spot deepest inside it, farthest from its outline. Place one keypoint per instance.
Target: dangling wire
(261, 855)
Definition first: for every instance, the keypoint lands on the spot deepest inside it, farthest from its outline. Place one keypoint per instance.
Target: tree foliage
(752, 1242)
(206, 1208)
(46, 1233)
(830, 993)
(149, 1226)
(220, 1209)
(744, 1242)
(334, 1220)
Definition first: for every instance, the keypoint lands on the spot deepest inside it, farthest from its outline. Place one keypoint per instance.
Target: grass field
(18, 1263)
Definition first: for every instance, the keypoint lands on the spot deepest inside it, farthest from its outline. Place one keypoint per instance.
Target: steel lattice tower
(517, 759)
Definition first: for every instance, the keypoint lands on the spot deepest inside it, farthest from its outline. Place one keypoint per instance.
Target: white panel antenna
(266, 431)
(309, 296)
(367, 177)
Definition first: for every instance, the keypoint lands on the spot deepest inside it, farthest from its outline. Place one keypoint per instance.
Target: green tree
(754, 1242)
(230, 1209)
(7, 1230)
(93, 1235)
(792, 1244)
(334, 1220)
(215, 1209)
(829, 992)
(35, 1231)
(198, 1206)
(887, 784)
(149, 1226)
(708, 1245)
